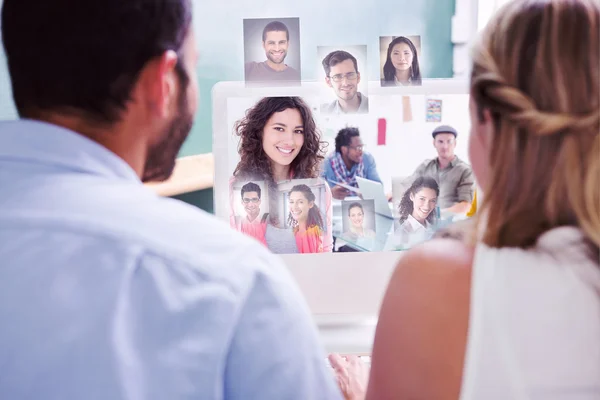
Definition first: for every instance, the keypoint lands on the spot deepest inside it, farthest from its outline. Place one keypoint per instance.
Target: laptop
(374, 190)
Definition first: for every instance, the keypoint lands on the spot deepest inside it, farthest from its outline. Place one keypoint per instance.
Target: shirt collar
(338, 109)
(399, 83)
(44, 143)
(451, 164)
(416, 225)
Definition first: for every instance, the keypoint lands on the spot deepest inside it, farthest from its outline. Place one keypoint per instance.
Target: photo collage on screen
(343, 170)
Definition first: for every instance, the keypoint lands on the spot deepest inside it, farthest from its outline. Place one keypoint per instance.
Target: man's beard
(273, 60)
(160, 160)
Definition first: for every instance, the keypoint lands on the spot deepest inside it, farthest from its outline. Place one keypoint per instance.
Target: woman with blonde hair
(511, 310)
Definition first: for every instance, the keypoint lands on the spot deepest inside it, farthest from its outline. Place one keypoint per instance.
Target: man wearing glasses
(347, 162)
(251, 202)
(341, 74)
(251, 224)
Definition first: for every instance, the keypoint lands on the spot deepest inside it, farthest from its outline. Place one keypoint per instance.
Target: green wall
(219, 37)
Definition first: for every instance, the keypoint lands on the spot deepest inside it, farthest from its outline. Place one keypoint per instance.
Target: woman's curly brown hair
(254, 162)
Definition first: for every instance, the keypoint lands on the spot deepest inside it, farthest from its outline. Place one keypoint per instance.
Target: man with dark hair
(347, 162)
(251, 224)
(108, 291)
(342, 75)
(275, 42)
(251, 200)
(454, 176)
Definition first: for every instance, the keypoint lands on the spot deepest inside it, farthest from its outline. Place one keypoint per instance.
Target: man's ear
(357, 78)
(328, 81)
(159, 79)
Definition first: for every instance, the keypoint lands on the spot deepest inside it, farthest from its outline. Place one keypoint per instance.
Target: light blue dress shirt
(108, 291)
(370, 168)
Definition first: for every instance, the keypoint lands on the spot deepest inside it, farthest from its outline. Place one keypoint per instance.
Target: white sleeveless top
(534, 329)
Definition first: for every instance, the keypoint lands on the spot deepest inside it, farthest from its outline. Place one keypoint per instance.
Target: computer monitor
(331, 280)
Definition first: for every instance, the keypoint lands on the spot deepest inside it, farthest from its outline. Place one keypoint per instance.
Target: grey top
(261, 72)
(281, 240)
(334, 107)
(456, 181)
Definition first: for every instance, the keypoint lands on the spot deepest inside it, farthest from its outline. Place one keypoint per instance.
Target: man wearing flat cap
(454, 176)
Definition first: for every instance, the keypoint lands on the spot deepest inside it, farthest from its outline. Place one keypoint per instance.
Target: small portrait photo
(345, 79)
(303, 205)
(417, 210)
(250, 202)
(399, 60)
(274, 134)
(358, 218)
(302, 202)
(272, 51)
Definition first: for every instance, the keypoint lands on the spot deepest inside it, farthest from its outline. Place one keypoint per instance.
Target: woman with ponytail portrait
(306, 220)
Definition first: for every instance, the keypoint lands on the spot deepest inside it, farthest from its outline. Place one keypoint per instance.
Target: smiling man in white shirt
(108, 291)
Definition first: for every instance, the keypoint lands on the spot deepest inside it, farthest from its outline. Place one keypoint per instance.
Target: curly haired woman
(279, 141)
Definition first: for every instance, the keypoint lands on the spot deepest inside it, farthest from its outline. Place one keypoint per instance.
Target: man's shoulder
(189, 228)
(328, 107)
(368, 157)
(171, 230)
(330, 156)
(461, 164)
(208, 246)
(426, 164)
(292, 70)
(253, 67)
(253, 64)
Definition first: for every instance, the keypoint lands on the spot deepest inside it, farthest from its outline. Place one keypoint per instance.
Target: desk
(347, 333)
(190, 174)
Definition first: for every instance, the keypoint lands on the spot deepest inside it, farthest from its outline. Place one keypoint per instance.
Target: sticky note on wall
(434, 110)
(406, 109)
(381, 131)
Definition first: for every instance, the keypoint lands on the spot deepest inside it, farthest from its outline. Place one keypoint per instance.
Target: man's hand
(352, 376)
(339, 193)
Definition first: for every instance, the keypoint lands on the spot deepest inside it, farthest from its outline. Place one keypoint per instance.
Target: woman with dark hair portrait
(401, 66)
(279, 141)
(305, 220)
(417, 207)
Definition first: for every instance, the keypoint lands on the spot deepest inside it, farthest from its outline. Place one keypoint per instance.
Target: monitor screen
(301, 176)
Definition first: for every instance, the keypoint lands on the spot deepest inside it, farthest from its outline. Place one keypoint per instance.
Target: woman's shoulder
(430, 292)
(439, 266)
(441, 256)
